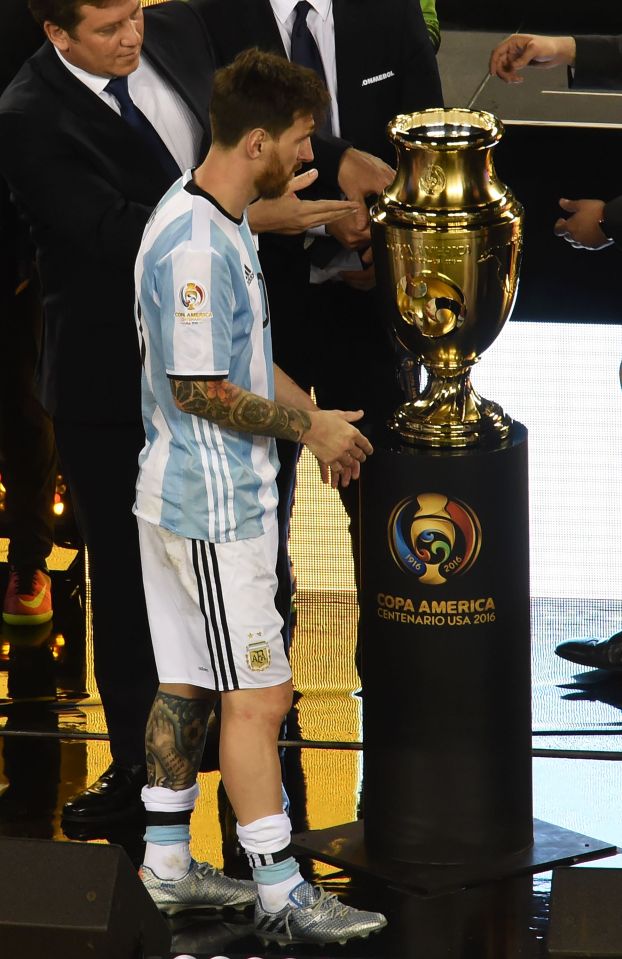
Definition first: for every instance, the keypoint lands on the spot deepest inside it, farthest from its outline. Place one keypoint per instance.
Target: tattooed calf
(174, 740)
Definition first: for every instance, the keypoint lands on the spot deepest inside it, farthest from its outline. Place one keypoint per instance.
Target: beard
(272, 183)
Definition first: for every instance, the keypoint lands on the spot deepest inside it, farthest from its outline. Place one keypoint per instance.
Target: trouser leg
(26, 432)
(100, 463)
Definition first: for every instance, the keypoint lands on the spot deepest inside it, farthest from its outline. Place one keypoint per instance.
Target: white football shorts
(211, 610)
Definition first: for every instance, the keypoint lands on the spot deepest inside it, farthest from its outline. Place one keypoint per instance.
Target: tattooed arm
(329, 434)
(234, 408)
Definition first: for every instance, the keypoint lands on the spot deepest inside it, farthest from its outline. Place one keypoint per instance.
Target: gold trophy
(447, 238)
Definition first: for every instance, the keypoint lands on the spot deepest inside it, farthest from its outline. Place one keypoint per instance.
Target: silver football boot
(203, 887)
(313, 915)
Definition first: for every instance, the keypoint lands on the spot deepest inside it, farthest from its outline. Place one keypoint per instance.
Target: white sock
(274, 897)
(162, 799)
(168, 862)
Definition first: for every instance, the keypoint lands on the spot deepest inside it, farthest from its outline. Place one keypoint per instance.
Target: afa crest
(258, 654)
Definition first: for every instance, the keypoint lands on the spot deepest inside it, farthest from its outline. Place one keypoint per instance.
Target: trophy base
(423, 423)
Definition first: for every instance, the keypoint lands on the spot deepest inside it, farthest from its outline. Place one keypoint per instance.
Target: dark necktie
(304, 47)
(306, 53)
(136, 119)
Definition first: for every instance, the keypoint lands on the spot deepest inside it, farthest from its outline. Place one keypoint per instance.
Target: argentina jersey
(202, 313)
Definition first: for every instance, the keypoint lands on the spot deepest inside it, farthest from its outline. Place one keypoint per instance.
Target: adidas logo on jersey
(248, 273)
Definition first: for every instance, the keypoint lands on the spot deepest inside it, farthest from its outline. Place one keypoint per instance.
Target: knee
(266, 706)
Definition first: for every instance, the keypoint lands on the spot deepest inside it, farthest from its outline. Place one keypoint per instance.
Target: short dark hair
(63, 13)
(263, 90)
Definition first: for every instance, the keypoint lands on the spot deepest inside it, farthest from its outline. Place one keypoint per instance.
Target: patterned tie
(133, 116)
(306, 53)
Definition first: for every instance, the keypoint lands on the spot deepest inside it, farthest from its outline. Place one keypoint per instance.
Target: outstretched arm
(290, 215)
(525, 49)
(584, 226)
(329, 434)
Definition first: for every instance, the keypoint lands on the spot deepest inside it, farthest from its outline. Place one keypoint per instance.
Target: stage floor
(53, 741)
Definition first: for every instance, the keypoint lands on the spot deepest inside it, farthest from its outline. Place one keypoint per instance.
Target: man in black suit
(26, 435)
(87, 169)
(87, 184)
(378, 61)
(594, 62)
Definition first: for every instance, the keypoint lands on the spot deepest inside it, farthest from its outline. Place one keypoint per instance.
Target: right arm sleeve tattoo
(230, 406)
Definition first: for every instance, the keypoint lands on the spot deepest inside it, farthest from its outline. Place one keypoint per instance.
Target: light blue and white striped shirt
(202, 312)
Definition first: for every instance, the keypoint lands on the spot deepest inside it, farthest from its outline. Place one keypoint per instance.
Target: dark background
(598, 16)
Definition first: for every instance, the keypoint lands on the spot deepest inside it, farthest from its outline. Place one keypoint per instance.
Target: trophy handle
(409, 375)
(449, 412)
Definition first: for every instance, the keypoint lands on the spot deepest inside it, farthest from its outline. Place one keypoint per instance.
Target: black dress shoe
(124, 832)
(114, 796)
(601, 654)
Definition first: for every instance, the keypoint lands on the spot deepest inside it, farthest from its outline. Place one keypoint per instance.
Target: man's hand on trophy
(361, 174)
(527, 50)
(364, 279)
(352, 232)
(582, 227)
(337, 444)
(290, 215)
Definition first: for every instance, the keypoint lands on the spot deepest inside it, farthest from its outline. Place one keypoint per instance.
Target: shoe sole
(175, 908)
(31, 619)
(610, 667)
(284, 941)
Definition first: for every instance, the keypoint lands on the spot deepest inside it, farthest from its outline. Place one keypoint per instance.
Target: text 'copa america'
(441, 612)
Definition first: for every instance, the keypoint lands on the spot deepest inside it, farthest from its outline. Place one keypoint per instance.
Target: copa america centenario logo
(434, 537)
(192, 295)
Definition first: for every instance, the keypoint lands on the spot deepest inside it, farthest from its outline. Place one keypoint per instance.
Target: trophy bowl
(447, 239)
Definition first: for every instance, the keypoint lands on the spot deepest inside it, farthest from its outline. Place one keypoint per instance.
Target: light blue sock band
(278, 872)
(167, 835)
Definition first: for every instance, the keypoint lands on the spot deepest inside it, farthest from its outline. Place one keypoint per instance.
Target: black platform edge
(553, 846)
(67, 733)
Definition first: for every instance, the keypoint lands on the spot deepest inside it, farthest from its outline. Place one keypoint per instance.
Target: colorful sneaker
(28, 599)
(313, 915)
(203, 887)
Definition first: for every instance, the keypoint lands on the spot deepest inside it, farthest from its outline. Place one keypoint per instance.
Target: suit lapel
(261, 26)
(74, 94)
(352, 33)
(117, 143)
(171, 59)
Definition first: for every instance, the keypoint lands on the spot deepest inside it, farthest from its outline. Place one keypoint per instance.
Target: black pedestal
(345, 846)
(445, 647)
(446, 671)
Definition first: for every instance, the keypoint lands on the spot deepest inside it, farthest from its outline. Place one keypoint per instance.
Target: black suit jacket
(17, 43)
(598, 62)
(385, 66)
(87, 184)
(599, 66)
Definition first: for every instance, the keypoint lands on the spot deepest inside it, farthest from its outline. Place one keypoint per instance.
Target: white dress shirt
(322, 26)
(164, 108)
